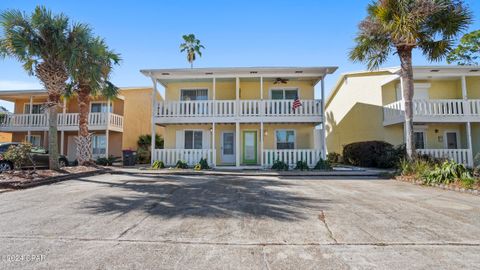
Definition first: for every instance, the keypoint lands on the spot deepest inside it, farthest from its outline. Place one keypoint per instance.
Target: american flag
(296, 103)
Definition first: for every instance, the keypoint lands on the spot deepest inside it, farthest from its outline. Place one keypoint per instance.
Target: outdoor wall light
(436, 130)
(265, 133)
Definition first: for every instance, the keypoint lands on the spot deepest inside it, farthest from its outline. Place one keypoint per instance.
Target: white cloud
(19, 85)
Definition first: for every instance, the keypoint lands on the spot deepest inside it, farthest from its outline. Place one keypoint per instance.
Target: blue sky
(235, 33)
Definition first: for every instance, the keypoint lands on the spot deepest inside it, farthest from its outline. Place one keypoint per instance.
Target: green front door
(250, 147)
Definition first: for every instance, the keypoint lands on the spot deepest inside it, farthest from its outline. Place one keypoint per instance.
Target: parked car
(39, 156)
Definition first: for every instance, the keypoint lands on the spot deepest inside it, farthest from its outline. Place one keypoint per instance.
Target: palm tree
(41, 42)
(90, 77)
(192, 46)
(399, 26)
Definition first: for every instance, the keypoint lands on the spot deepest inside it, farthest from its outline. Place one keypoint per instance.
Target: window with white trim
(285, 139)
(193, 139)
(34, 140)
(419, 139)
(193, 94)
(288, 93)
(100, 107)
(99, 145)
(36, 108)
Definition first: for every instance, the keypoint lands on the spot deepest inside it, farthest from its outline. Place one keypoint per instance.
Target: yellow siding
(356, 112)
(304, 135)
(249, 89)
(473, 87)
(5, 137)
(137, 116)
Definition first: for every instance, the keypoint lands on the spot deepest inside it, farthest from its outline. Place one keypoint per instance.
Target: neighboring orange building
(112, 129)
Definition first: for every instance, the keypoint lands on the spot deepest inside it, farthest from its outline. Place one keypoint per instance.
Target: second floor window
(193, 139)
(36, 109)
(285, 139)
(193, 94)
(284, 93)
(99, 107)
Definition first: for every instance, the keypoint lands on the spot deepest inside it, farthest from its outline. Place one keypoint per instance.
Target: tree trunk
(84, 139)
(53, 75)
(406, 74)
(53, 138)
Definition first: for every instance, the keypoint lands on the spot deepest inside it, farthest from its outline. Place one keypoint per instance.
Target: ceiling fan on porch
(280, 80)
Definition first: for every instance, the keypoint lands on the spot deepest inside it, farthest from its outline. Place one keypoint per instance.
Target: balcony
(230, 111)
(66, 122)
(434, 110)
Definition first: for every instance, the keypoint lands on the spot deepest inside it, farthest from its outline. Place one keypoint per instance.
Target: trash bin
(129, 157)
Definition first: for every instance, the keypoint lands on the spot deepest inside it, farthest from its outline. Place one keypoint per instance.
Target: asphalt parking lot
(140, 221)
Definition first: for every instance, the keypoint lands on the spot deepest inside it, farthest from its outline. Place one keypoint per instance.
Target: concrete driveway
(210, 222)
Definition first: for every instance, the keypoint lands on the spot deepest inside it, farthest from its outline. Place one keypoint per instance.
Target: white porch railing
(463, 156)
(191, 156)
(433, 108)
(232, 108)
(291, 156)
(25, 121)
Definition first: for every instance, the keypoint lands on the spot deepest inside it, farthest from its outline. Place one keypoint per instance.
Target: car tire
(5, 166)
(62, 163)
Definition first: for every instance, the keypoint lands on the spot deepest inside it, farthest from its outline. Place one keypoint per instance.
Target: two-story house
(114, 123)
(366, 106)
(240, 116)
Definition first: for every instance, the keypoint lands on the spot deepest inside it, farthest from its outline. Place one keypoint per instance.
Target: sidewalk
(338, 171)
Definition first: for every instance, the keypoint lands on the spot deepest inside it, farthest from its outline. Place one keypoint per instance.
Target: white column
(29, 133)
(214, 148)
(261, 88)
(261, 143)
(237, 95)
(62, 133)
(470, 146)
(214, 96)
(464, 88)
(237, 144)
(152, 145)
(324, 137)
(107, 133)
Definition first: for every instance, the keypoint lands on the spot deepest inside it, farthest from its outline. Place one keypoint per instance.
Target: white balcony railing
(233, 108)
(434, 108)
(463, 156)
(190, 156)
(291, 156)
(65, 121)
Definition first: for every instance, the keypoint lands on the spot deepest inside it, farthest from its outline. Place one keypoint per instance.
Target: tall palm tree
(41, 41)
(399, 26)
(192, 46)
(90, 77)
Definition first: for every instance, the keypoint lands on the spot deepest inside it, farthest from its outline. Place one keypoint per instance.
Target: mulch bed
(475, 190)
(30, 178)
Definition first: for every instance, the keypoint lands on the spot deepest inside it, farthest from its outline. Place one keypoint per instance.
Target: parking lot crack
(323, 219)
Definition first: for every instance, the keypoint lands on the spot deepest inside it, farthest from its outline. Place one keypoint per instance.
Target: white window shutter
(180, 139)
(206, 139)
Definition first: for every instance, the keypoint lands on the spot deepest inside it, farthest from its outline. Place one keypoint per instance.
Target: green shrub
(201, 165)
(279, 165)
(103, 161)
(302, 166)
(181, 165)
(373, 154)
(334, 158)
(447, 173)
(143, 156)
(19, 155)
(157, 164)
(145, 141)
(323, 165)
